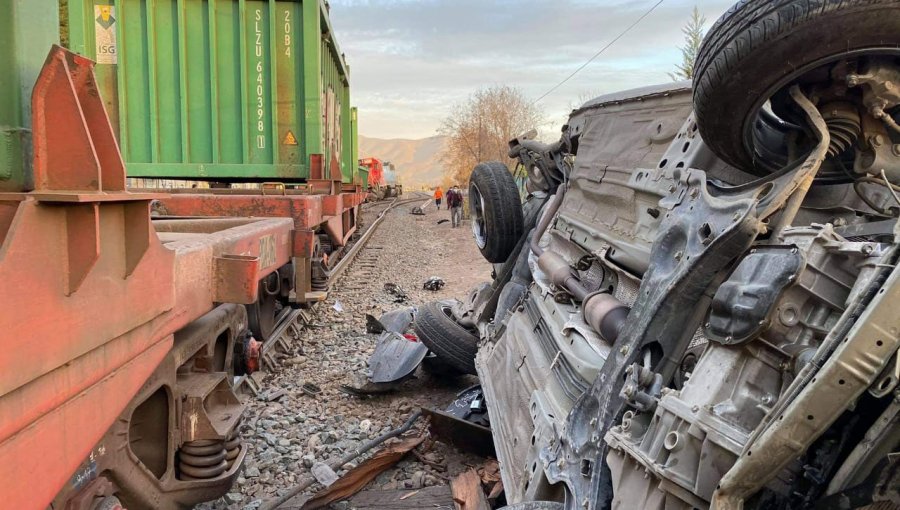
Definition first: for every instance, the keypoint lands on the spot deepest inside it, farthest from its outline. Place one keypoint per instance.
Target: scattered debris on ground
(315, 419)
(435, 283)
(468, 493)
(400, 295)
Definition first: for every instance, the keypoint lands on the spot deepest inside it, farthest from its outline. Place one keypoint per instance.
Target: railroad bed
(288, 430)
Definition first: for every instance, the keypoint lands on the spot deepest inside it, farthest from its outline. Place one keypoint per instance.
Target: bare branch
(479, 129)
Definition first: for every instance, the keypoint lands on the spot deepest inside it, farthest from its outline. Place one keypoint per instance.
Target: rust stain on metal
(98, 296)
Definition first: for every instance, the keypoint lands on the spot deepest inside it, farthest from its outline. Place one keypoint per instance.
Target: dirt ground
(289, 434)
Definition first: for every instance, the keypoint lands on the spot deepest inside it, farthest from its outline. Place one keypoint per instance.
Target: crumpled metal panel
(609, 198)
(396, 357)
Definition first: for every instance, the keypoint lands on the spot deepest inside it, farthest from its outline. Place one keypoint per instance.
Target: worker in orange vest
(438, 196)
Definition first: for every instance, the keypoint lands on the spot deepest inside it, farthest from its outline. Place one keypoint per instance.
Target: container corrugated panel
(232, 90)
(354, 149)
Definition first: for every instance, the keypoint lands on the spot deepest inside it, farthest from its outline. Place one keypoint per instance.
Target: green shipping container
(229, 90)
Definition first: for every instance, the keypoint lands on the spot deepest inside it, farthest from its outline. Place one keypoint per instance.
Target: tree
(479, 129)
(693, 36)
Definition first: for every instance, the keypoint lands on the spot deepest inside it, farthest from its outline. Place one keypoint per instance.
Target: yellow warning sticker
(290, 139)
(105, 34)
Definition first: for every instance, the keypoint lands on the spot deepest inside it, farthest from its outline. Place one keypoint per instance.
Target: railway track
(360, 243)
(290, 321)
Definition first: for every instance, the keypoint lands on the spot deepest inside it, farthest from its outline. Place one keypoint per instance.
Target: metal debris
(397, 354)
(434, 283)
(419, 210)
(396, 358)
(373, 325)
(311, 389)
(400, 295)
(470, 406)
(465, 422)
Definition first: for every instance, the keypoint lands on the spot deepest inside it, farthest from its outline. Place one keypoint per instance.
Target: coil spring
(844, 126)
(232, 447)
(318, 279)
(325, 243)
(202, 459)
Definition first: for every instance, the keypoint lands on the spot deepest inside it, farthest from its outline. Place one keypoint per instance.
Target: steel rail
(348, 258)
(289, 317)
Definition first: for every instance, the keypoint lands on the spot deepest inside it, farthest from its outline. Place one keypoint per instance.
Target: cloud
(411, 60)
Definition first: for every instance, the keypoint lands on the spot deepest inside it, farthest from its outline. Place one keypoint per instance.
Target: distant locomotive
(384, 180)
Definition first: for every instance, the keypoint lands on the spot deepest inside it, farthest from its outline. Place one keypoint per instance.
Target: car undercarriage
(701, 317)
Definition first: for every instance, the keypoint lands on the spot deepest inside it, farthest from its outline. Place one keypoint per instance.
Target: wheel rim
(478, 221)
(447, 310)
(762, 128)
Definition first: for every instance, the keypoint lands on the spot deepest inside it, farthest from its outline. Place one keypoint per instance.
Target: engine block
(764, 323)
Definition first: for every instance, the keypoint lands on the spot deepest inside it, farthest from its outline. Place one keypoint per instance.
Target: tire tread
(749, 27)
(455, 345)
(504, 222)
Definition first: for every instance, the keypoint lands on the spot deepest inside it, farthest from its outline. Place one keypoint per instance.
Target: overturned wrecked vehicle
(697, 306)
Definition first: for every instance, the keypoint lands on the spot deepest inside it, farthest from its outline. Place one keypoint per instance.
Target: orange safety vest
(438, 194)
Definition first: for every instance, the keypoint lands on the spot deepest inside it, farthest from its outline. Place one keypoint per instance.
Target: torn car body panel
(749, 277)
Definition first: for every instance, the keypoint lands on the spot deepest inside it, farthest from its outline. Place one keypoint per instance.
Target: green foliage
(693, 36)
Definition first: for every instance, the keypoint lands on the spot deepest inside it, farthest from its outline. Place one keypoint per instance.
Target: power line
(610, 43)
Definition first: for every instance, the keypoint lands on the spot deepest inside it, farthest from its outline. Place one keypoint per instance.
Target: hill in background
(418, 161)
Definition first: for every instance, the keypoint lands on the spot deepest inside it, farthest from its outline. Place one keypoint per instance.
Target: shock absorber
(202, 459)
(844, 126)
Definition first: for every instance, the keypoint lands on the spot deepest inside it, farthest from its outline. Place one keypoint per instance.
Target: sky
(412, 60)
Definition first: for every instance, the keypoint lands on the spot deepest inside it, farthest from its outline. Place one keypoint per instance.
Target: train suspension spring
(203, 459)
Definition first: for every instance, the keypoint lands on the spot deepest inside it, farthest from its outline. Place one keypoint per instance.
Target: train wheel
(261, 314)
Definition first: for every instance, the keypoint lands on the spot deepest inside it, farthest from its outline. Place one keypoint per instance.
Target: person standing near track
(438, 196)
(454, 204)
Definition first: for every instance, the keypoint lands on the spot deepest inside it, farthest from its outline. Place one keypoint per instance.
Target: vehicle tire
(511, 294)
(454, 344)
(496, 211)
(760, 47)
(436, 366)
